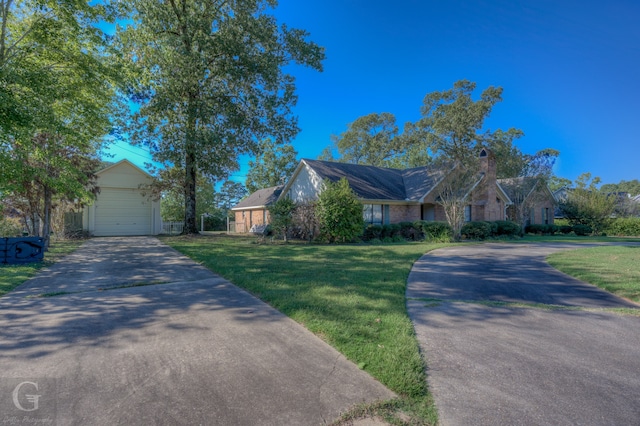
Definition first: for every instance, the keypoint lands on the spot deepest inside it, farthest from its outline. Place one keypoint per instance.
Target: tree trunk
(190, 226)
(46, 225)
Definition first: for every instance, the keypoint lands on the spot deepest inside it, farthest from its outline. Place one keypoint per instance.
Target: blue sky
(570, 71)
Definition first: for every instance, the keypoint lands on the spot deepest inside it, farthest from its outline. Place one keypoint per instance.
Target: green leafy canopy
(209, 79)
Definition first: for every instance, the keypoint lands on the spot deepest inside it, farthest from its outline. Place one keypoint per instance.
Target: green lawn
(352, 296)
(12, 276)
(572, 239)
(613, 268)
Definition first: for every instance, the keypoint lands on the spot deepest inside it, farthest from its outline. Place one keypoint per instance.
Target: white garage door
(122, 212)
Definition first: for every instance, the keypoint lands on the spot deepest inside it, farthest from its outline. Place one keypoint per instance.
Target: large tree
(272, 166)
(453, 124)
(56, 97)
(511, 162)
(374, 140)
(453, 121)
(211, 83)
(48, 171)
(632, 187)
(230, 194)
(370, 139)
(169, 186)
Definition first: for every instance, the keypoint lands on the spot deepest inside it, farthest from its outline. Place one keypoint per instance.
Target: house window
(372, 214)
(467, 213)
(532, 217)
(545, 216)
(428, 212)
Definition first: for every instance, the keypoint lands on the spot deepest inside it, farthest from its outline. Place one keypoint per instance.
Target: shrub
(541, 229)
(372, 232)
(389, 231)
(398, 239)
(409, 232)
(282, 216)
(10, 227)
(627, 227)
(565, 229)
(582, 230)
(439, 232)
(476, 230)
(305, 224)
(339, 212)
(507, 227)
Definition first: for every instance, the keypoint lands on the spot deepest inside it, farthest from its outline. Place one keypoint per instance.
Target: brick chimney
(486, 199)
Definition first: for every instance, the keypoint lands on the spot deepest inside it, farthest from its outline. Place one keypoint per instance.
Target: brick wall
(251, 218)
(399, 214)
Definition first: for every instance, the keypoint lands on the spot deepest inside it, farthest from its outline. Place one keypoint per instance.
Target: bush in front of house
(582, 230)
(438, 232)
(507, 227)
(339, 213)
(541, 229)
(476, 230)
(410, 232)
(565, 229)
(624, 227)
(282, 216)
(372, 232)
(390, 231)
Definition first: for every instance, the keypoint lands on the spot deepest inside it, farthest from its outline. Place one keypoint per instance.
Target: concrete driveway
(498, 364)
(139, 334)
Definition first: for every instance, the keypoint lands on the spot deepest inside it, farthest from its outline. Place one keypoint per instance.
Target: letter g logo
(31, 398)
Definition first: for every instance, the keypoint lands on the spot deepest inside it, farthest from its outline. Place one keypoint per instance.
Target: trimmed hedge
(507, 227)
(582, 230)
(434, 231)
(439, 231)
(476, 230)
(542, 229)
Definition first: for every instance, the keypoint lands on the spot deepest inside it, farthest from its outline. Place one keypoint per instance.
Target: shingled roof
(381, 183)
(260, 199)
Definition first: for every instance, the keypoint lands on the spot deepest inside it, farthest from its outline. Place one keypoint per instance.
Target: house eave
(390, 202)
(237, 209)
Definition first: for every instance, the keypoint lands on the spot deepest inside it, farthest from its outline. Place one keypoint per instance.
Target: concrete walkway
(180, 346)
(498, 364)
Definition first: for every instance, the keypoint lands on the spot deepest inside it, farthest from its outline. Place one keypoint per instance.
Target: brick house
(253, 210)
(388, 195)
(531, 198)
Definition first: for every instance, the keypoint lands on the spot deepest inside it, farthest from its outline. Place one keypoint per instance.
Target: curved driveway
(493, 362)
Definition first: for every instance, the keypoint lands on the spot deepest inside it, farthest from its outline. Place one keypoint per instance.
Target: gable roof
(368, 182)
(521, 185)
(124, 161)
(260, 199)
(381, 183)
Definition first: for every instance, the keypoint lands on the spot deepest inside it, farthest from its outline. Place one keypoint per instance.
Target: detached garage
(122, 207)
